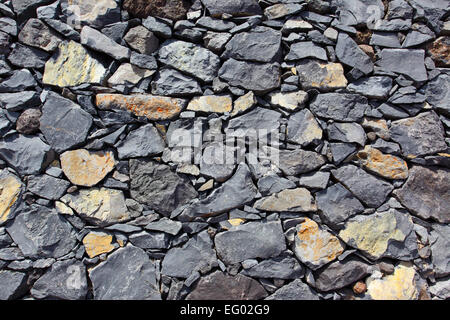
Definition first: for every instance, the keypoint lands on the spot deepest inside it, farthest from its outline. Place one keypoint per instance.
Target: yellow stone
(86, 168)
(63, 209)
(385, 165)
(72, 65)
(219, 104)
(334, 78)
(401, 285)
(207, 185)
(142, 105)
(290, 100)
(97, 243)
(10, 189)
(314, 246)
(372, 234)
(236, 222)
(244, 103)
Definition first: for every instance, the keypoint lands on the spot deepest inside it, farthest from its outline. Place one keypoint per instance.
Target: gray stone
(303, 128)
(341, 151)
(357, 12)
(415, 38)
(116, 31)
(399, 9)
(80, 12)
(261, 44)
(220, 286)
(426, 193)
(27, 57)
(169, 82)
(401, 60)
(340, 274)
(63, 29)
(385, 39)
(369, 189)
(441, 289)
(251, 240)
(298, 161)
(440, 241)
(47, 186)
(347, 132)
(42, 233)
(350, 54)
(315, 180)
(336, 204)
(235, 192)
(165, 225)
(215, 24)
(273, 183)
(430, 10)
(65, 280)
(8, 26)
(340, 107)
(420, 135)
(251, 75)
(218, 161)
(143, 61)
(197, 255)
(20, 80)
(190, 58)
(257, 119)
(143, 142)
(372, 87)
(143, 40)
(150, 240)
(284, 266)
(437, 92)
(315, 74)
(97, 41)
(296, 290)
(26, 154)
(234, 7)
(37, 34)
(158, 187)
(14, 284)
(129, 269)
(216, 41)
(308, 49)
(64, 123)
(281, 10)
(20, 100)
(158, 27)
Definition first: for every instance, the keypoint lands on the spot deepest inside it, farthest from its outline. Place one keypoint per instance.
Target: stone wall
(235, 149)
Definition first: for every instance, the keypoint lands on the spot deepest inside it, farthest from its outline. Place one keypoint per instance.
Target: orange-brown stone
(142, 105)
(85, 168)
(440, 51)
(385, 165)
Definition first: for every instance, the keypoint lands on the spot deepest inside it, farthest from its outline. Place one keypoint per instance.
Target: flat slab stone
(401, 60)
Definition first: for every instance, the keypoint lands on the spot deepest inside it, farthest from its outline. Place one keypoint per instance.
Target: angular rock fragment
(401, 285)
(97, 41)
(196, 255)
(143, 142)
(281, 10)
(235, 192)
(219, 104)
(165, 225)
(320, 75)
(26, 154)
(10, 196)
(440, 51)
(96, 243)
(128, 74)
(96, 14)
(150, 240)
(261, 44)
(189, 58)
(101, 207)
(234, 7)
(158, 187)
(290, 200)
(340, 274)
(303, 128)
(251, 240)
(372, 87)
(42, 233)
(85, 168)
(385, 234)
(73, 65)
(350, 54)
(337, 204)
(347, 132)
(340, 107)
(298, 161)
(439, 240)
(385, 165)
(14, 284)
(169, 82)
(296, 290)
(253, 121)
(169, 9)
(284, 266)
(142, 40)
(420, 135)
(251, 75)
(369, 189)
(29, 121)
(314, 246)
(438, 93)
(65, 280)
(129, 269)
(220, 286)
(302, 50)
(290, 101)
(401, 60)
(426, 193)
(35, 33)
(142, 105)
(47, 187)
(358, 12)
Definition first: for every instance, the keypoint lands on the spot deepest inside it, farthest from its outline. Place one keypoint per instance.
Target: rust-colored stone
(359, 287)
(149, 106)
(440, 51)
(385, 165)
(170, 9)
